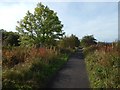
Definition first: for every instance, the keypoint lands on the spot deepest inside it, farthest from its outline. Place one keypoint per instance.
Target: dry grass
(20, 55)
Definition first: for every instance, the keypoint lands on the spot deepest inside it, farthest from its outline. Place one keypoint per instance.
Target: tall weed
(34, 67)
(103, 67)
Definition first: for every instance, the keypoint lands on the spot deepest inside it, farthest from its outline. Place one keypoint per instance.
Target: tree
(75, 41)
(41, 28)
(88, 41)
(69, 42)
(10, 38)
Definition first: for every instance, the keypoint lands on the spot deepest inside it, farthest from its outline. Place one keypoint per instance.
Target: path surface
(73, 74)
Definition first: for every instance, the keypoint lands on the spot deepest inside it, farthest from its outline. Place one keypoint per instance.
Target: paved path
(73, 74)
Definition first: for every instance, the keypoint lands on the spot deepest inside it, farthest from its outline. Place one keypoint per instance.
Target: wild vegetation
(31, 56)
(28, 68)
(103, 64)
(39, 48)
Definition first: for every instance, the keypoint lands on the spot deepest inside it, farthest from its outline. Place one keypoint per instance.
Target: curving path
(73, 74)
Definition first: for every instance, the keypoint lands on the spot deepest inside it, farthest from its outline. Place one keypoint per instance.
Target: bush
(10, 38)
(69, 42)
(87, 41)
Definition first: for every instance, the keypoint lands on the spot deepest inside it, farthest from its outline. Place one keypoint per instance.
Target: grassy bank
(103, 66)
(30, 68)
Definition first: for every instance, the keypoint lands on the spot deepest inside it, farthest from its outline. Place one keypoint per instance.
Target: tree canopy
(10, 38)
(88, 41)
(69, 42)
(43, 27)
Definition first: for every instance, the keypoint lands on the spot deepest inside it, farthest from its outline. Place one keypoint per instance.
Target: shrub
(87, 41)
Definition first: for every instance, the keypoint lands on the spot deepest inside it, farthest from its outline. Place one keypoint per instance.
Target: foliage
(41, 28)
(103, 67)
(69, 42)
(35, 67)
(14, 55)
(74, 41)
(87, 41)
(89, 49)
(10, 38)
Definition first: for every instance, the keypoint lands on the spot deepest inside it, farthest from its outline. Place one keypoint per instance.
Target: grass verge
(34, 73)
(103, 68)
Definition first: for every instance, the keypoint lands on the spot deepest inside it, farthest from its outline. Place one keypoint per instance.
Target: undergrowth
(103, 67)
(34, 67)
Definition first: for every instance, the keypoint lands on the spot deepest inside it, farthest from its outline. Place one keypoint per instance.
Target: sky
(80, 18)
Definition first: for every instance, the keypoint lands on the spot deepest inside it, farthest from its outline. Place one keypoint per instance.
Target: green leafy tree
(43, 27)
(69, 42)
(87, 41)
(75, 41)
(10, 38)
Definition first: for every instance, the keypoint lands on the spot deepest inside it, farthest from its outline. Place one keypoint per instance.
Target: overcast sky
(80, 18)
